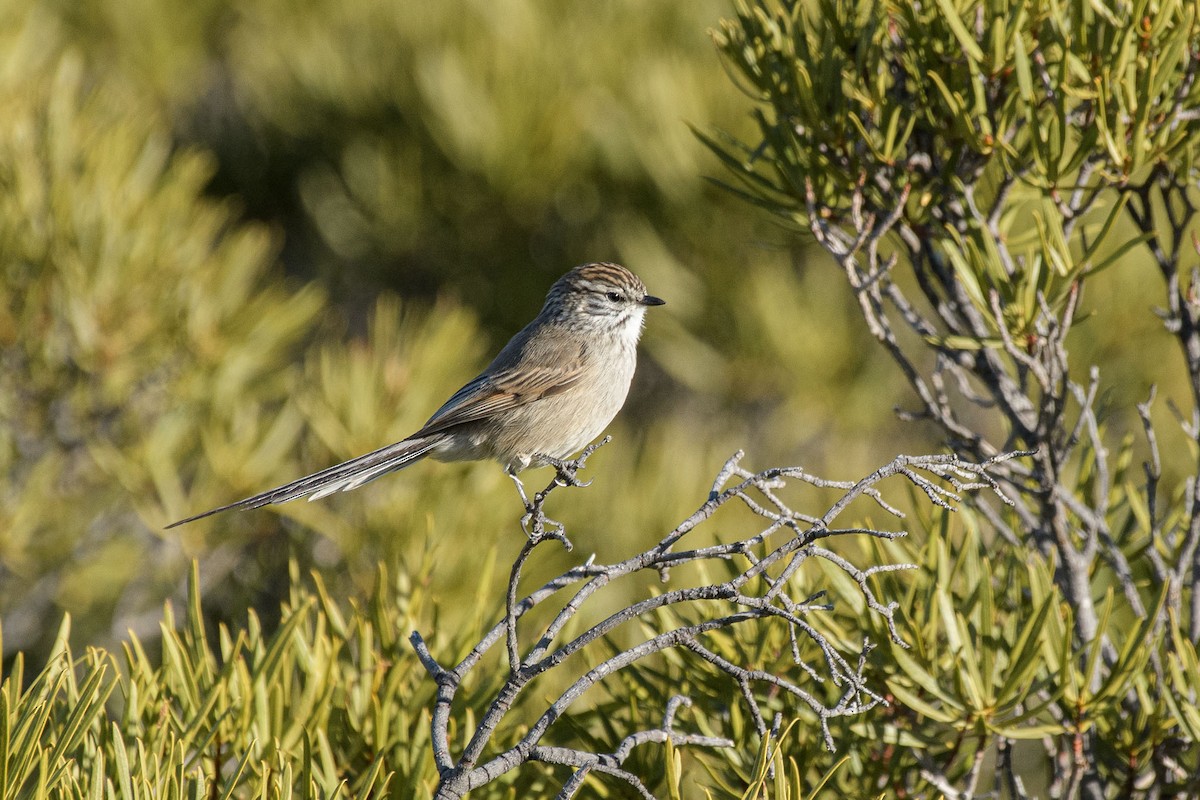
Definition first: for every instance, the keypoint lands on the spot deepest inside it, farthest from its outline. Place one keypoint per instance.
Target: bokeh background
(242, 241)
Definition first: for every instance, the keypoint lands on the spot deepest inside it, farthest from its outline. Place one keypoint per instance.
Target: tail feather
(338, 478)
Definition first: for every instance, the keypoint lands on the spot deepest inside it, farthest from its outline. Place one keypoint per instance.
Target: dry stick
(1182, 319)
(609, 763)
(447, 683)
(1152, 468)
(510, 618)
(741, 592)
(538, 533)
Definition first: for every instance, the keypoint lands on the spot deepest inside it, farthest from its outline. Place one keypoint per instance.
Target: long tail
(338, 478)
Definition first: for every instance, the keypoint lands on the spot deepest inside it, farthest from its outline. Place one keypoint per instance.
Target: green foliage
(1004, 665)
(152, 366)
(478, 150)
(161, 354)
(101, 306)
(322, 706)
(331, 703)
(156, 361)
(932, 95)
(463, 144)
(938, 108)
(998, 161)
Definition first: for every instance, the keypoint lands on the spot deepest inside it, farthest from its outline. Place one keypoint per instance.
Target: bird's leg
(535, 523)
(512, 473)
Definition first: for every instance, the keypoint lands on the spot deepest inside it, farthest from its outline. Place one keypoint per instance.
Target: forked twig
(764, 562)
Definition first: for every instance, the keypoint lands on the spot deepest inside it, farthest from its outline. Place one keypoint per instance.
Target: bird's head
(602, 294)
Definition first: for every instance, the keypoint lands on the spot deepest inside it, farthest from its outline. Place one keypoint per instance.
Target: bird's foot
(536, 525)
(567, 472)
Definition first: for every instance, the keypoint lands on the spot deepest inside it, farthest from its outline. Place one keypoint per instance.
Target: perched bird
(553, 389)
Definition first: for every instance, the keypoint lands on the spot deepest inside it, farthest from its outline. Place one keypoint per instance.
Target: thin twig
(757, 591)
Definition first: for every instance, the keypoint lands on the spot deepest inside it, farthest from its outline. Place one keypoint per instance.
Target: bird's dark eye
(614, 296)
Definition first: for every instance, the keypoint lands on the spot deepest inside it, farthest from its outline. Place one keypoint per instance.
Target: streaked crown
(602, 290)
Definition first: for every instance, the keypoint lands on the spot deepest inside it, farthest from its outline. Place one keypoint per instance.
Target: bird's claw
(566, 477)
(567, 472)
(536, 525)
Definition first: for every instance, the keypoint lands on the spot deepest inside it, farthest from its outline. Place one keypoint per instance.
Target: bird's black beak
(651, 300)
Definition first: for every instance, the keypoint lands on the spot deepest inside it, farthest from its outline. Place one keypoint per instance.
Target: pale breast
(559, 423)
(563, 424)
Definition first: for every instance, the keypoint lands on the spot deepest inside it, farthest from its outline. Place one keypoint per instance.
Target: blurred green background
(242, 241)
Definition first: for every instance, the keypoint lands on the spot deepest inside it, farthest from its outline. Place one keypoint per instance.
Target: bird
(550, 391)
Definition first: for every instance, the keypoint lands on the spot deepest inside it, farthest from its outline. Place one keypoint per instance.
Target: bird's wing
(493, 392)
